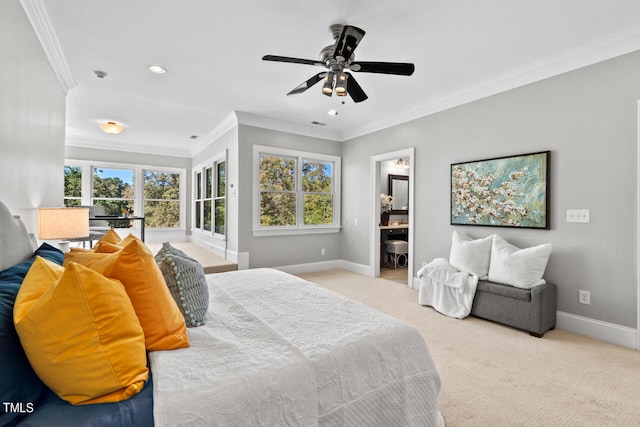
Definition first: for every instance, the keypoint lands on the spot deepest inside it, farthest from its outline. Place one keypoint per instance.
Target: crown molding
(72, 141)
(283, 126)
(591, 53)
(223, 127)
(39, 19)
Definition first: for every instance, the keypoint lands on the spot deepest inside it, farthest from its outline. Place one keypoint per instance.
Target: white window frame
(138, 183)
(300, 228)
(201, 168)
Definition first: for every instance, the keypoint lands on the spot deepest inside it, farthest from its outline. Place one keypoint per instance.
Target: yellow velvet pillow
(111, 237)
(163, 324)
(130, 238)
(80, 333)
(106, 248)
(81, 255)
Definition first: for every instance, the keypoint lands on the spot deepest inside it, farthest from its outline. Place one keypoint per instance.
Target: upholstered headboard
(16, 245)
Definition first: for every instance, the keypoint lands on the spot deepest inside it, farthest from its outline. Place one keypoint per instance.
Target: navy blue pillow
(18, 382)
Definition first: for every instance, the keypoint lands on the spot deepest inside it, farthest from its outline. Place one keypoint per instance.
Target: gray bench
(533, 310)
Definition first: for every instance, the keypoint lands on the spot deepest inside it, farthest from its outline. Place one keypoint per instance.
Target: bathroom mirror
(399, 190)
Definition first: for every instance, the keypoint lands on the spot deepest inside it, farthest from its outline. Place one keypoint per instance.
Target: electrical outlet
(322, 252)
(584, 297)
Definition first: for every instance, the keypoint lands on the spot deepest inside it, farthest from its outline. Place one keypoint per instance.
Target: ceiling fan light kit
(339, 57)
(327, 87)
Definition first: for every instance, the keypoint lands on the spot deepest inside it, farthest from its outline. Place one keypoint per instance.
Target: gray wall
(271, 251)
(32, 119)
(588, 119)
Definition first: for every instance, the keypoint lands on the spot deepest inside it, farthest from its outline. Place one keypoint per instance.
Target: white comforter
(446, 289)
(277, 350)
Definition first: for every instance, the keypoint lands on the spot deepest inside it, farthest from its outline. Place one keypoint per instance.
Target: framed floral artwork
(508, 191)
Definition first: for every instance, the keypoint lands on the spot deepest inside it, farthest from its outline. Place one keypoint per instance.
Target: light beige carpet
(211, 263)
(493, 375)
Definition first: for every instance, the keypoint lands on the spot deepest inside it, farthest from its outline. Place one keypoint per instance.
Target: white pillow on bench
(522, 268)
(469, 255)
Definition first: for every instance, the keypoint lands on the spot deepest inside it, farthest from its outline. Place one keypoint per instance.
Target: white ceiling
(462, 50)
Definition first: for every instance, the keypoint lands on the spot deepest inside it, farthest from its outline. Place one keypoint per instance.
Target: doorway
(379, 185)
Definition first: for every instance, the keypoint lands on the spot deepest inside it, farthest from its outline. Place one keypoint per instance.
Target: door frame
(374, 231)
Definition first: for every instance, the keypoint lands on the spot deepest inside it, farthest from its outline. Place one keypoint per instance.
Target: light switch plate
(578, 215)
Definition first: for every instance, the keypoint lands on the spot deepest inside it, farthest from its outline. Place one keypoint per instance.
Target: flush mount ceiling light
(111, 127)
(332, 113)
(158, 69)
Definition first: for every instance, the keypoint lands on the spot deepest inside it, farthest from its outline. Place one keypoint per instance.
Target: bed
(299, 355)
(274, 350)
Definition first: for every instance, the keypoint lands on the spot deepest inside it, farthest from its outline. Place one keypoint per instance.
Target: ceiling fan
(338, 59)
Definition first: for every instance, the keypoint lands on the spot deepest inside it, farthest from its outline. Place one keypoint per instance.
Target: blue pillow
(18, 381)
(17, 272)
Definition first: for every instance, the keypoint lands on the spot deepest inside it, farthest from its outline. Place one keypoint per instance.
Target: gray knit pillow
(188, 286)
(168, 249)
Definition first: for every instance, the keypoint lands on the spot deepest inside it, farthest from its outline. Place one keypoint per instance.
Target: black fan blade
(306, 85)
(354, 90)
(347, 42)
(398, 68)
(293, 60)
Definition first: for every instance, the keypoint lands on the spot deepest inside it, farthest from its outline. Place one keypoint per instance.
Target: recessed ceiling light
(158, 69)
(332, 112)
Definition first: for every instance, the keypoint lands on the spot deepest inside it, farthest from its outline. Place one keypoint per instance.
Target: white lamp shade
(63, 223)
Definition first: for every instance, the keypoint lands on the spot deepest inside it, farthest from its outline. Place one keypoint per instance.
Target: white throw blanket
(446, 289)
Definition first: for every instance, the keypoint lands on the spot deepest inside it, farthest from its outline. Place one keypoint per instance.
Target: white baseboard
(325, 265)
(365, 270)
(603, 331)
(240, 258)
(216, 246)
(309, 267)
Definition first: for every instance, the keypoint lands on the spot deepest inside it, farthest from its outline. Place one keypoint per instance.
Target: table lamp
(62, 224)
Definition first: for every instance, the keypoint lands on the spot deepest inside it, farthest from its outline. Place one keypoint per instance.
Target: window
(72, 186)
(210, 196)
(161, 199)
(113, 189)
(317, 187)
(155, 193)
(295, 192)
(197, 179)
(220, 197)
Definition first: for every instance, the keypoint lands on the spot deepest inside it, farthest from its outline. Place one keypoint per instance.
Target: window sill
(288, 231)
